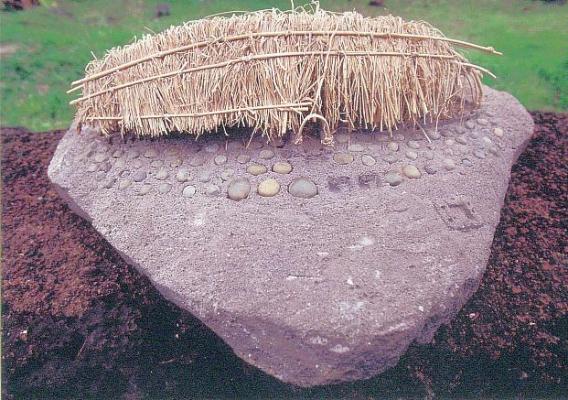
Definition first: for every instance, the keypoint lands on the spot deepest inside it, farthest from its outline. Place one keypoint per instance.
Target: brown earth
(78, 322)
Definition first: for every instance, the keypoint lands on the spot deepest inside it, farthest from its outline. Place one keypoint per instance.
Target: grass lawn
(44, 49)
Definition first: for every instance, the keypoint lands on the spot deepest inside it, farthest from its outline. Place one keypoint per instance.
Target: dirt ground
(78, 322)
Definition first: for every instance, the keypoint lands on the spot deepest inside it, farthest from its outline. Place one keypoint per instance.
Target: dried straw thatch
(274, 71)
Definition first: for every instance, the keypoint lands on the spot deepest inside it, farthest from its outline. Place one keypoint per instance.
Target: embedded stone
(266, 154)
(151, 153)
(449, 164)
(479, 153)
(257, 169)
(390, 158)
(227, 174)
(268, 188)
(220, 159)
(189, 191)
(282, 167)
(139, 176)
(124, 183)
(164, 188)
(343, 158)
(392, 146)
(204, 176)
(393, 178)
(413, 144)
(212, 148)
(162, 174)
(243, 158)
(411, 172)
(303, 188)
(211, 189)
(430, 169)
(239, 189)
(411, 155)
(498, 132)
(176, 162)
(196, 160)
(368, 160)
(100, 157)
(434, 135)
(183, 175)
(320, 290)
(145, 189)
(356, 147)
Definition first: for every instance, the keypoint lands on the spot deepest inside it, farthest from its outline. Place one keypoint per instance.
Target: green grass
(46, 48)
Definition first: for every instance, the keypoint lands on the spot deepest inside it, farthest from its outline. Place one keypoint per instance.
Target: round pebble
(429, 155)
(145, 189)
(183, 175)
(430, 169)
(124, 183)
(356, 147)
(434, 135)
(212, 148)
(243, 158)
(343, 158)
(162, 174)
(257, 169)
(368, 160)
(220, 160)
(469, 124)
(189, 191)
(266, 154)
(392, 146)
(164, 188)
(119, 164)
(391, 158)
(139, 176)
(212, 190)
(227, 174)
(460, 130)
(498, 132)
(303, 188)
(176, 162)
(151, 153)
(449, 142)
(449, 164)
(268, 188)
(196, 161)
(239, 189)
(411, 154)
(411, 172)
(474, 134)
(482, 122)
(413, 144)
(479, 153)
(467, 162)
(461, 140)
(282, 167)
(393, 178)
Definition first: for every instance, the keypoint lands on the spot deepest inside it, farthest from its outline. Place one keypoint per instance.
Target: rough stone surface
(313, 290)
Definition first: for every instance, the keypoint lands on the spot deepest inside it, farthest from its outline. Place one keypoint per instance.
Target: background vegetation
(42, 50)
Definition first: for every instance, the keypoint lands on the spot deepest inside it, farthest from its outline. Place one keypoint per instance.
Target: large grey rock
(317, 289)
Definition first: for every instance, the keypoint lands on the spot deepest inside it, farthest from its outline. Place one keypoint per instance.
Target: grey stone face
(321, 270)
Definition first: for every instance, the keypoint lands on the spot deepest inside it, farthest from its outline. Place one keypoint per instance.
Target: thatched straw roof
(274, 71)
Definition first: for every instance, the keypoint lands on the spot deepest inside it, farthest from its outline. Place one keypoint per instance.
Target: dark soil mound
(78, 322)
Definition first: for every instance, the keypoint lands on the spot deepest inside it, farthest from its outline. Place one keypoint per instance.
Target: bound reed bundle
(274, 71)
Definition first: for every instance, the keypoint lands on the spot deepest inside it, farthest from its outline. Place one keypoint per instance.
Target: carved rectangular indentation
(458, 214)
